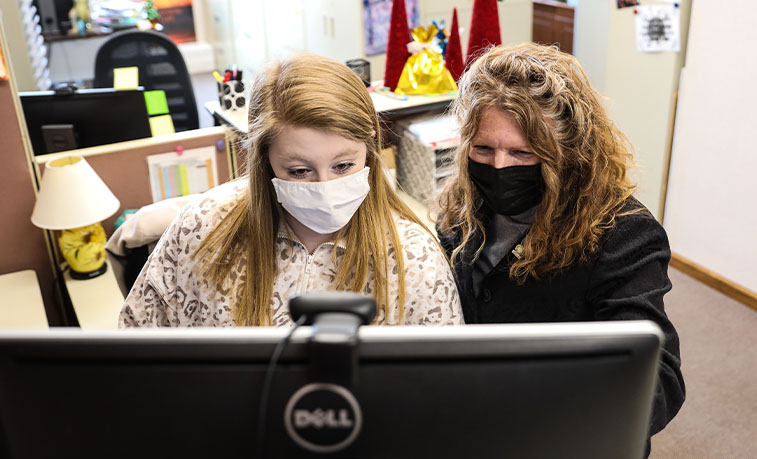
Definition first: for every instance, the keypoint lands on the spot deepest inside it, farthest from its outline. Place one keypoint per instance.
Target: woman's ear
(373, 134)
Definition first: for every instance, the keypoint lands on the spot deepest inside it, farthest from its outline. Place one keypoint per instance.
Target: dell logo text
(323, 418)
(319, 419)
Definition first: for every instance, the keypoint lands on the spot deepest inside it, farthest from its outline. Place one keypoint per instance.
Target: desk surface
(97, 302)
(21, 304)
(386, 106)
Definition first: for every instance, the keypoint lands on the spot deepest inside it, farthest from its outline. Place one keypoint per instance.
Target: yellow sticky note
(160, 125)
(126, 78)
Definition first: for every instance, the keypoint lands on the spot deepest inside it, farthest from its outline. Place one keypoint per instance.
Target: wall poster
(658, 28)
(376, 15)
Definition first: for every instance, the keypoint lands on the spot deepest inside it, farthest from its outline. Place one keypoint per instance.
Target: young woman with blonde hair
(539, 218)
(315, 212)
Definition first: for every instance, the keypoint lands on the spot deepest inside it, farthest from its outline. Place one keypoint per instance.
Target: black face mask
(510, 190)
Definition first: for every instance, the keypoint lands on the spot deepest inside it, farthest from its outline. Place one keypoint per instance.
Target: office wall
(22, 245)
(640, 87)
(711, 212)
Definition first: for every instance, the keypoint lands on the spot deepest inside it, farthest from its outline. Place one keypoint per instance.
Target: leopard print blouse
(169, 292)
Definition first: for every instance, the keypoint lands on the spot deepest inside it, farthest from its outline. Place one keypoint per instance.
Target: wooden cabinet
(553, 24)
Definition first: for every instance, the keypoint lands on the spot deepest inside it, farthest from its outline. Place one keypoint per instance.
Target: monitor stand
(59, 137)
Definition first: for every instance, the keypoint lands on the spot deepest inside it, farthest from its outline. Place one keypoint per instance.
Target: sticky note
(156, 102)
(126, 78)
(160, 125)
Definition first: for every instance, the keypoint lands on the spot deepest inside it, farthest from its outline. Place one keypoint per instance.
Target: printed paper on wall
(172, 175)
(658, 28)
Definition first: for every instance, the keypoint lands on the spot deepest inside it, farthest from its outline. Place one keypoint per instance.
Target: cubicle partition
(22, 245)
(124, 166)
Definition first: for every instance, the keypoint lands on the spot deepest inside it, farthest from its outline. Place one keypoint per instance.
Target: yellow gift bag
(424, 72)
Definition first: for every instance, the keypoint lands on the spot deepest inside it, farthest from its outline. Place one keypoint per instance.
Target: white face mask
(324, 207)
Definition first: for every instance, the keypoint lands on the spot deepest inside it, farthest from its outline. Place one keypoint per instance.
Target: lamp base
(84, 250)
(91, 274)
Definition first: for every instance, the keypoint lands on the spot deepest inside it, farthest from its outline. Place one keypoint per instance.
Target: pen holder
(362, 68)
(231, 95)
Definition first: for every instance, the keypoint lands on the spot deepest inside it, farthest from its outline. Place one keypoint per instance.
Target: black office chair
(161, 66)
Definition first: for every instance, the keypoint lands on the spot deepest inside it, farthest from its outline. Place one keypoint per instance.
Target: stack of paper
(438, 132)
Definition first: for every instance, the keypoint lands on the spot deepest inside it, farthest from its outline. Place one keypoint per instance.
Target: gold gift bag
(424, 72)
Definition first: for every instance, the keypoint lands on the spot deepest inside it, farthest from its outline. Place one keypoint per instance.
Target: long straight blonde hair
(320, 93)
(584, 156)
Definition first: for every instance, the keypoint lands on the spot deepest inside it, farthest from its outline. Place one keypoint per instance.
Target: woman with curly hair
(538, 217)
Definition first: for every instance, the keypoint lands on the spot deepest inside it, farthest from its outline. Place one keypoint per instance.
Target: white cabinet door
(334, 28)
(248, 24)
(222, 34)
(284, 27)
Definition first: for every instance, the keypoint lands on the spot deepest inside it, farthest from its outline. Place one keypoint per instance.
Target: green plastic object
(124, 215)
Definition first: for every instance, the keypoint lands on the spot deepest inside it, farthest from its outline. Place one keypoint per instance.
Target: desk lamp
(74, 200)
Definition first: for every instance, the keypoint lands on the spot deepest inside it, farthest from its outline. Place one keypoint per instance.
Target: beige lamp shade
(72, 195)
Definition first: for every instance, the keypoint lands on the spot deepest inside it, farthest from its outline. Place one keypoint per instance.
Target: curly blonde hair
(584, 155)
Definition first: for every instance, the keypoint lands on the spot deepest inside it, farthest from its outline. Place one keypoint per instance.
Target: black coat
(625, 280)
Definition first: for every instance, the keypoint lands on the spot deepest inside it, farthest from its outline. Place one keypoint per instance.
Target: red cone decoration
(454, 61)
(396, 47)
(484, 29)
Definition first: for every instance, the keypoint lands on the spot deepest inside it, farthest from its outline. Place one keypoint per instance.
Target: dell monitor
(69, 119)
(579, 390)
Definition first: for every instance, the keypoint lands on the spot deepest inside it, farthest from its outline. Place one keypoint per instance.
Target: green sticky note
(126, 78)
(156, 102)
(161, 125)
